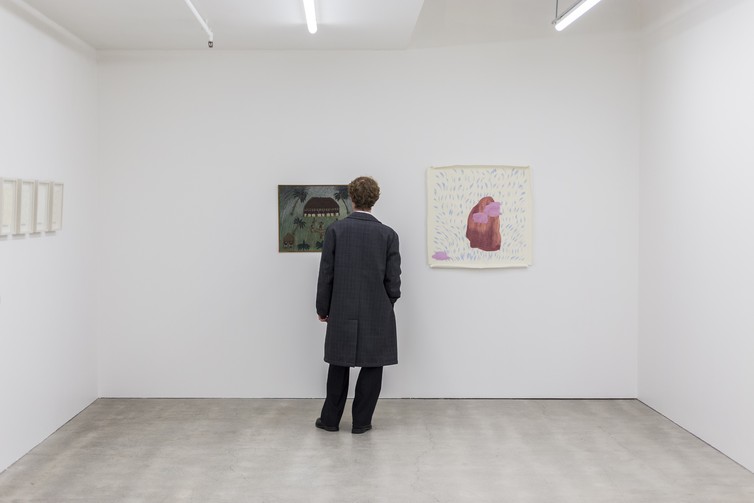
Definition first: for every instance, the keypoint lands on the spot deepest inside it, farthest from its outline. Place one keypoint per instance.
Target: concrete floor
(419, 450)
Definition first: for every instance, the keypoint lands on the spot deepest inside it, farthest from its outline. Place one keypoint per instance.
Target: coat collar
(358, 215)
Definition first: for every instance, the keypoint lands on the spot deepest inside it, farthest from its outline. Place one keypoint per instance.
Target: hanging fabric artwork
(479, 216)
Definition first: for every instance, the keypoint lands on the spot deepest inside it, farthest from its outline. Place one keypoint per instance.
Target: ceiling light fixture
(311, 16)
(202, 22)
(576, 11)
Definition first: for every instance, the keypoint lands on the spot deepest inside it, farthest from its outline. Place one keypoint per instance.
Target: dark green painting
(305, 212)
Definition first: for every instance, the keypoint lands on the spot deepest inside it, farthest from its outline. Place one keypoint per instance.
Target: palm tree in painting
(299, 194)
(341, 194)
(298, 224)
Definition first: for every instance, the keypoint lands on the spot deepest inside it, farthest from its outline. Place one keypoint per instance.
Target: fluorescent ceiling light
(311, 16)
(572, 14)
(202, 22)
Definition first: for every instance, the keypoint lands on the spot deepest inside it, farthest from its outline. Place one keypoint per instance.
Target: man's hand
(323, 319)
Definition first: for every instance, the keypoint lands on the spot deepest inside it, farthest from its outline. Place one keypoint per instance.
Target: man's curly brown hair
(364, 192)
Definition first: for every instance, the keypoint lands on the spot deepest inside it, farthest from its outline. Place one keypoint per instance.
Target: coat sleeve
(393, 269)
(326, 274)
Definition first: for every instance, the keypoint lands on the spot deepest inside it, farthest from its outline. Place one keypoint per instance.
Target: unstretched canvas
(479, 216)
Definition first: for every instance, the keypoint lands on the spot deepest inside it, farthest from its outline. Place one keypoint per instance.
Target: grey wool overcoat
(359, 282)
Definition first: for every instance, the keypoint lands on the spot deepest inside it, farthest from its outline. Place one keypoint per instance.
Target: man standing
(359, 282)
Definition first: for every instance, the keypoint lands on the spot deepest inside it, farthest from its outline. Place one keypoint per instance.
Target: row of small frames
(30, 206)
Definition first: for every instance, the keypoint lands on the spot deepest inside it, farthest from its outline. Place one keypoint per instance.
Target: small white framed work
(8, 206)
(42, 209)
(56, 207)
(27, 191)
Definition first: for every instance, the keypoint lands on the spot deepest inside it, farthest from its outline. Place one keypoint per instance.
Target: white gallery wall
(195, 300)
(48, 131)
(696, 330)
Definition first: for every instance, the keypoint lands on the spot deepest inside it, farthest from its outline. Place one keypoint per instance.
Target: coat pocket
(341, 340)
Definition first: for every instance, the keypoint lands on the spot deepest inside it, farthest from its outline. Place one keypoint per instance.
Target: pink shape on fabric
(480, 218)
(492, 210)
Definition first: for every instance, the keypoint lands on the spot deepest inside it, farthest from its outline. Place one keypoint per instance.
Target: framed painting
(56, 207)
(305, 212)
(8, 206)
(479, 216)
(26, 205)
(42, 210)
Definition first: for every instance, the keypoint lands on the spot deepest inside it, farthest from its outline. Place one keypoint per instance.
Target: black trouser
(368, 388)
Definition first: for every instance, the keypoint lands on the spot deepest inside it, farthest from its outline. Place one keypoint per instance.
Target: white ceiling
(343, 24)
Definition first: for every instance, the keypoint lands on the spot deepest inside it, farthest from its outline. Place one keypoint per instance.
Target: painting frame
(27, 192)
(479, 216)
(305, 212)
(8, 206)
(42, 207)
(56, 207)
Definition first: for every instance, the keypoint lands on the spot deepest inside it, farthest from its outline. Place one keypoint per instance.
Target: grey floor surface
(222, 450)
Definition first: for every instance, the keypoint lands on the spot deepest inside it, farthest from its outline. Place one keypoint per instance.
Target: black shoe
(318, 423)
(361, 429)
